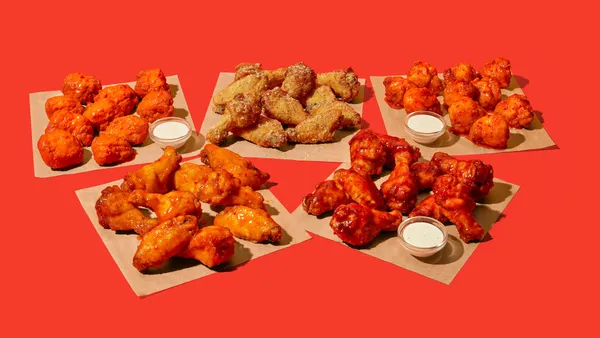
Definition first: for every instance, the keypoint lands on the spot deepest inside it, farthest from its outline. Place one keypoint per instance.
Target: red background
(535, 277)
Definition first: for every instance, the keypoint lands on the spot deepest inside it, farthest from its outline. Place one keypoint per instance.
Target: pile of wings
(273, 107)
(361, 210)
(174, 193)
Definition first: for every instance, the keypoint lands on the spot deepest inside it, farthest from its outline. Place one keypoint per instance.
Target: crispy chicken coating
(395, 89)
(499, 70)
(241, 112)
(344, 83)
(299, 81)
(151, 80)
(429, 208)
(358, 225)
(266, 133)
(212, 245)
(275, 77)
(246, 68)
(475, 173)
(156, 105)
(282, 107)
(460, 72)
(350, 118)
(516, 110)
(367, 153)
(167, 206)
(318, 128)
(155, 177)
(463, 113)
(164, 241)
(421, 99)
(131, 128)
(489, 92)
(102, 112)
(456, 90)
(116, 213)
(319, 95)
(236, 165)
(254, 225)
(59, 149)
(360, 188)
(123, 95)
(328, 195)
(62, 103)
(424, 75)
(215, 187)
(254, 84)
(76, 124)
(424, 174)
(111, 149)
(490, 131)
(81, 87)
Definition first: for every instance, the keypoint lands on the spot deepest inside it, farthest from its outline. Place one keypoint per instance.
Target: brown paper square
(534, 137)
(336, 151)
(443, 266)
(177, 271)
(147, 152)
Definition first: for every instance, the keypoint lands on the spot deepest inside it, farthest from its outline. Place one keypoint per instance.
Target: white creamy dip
(170, 130)
(423, 235)
(425, 123)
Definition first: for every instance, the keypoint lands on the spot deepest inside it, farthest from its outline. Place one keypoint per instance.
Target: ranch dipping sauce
(425, 123)
(423, 235)
(170, 130)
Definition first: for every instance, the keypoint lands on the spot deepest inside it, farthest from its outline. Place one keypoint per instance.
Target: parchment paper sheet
(534, 137)
(444, 265)
(177, 271)
(147, 152)
(336, 151)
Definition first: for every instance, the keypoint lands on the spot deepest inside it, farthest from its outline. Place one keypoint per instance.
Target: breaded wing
(212, 245)
(299, 81)
(350, 118)
(236, 165)
(155, 177)
(266, 133)
(164, 241)
(241, 112)
(317, 128)
(282, 107)
(319, 95)
(254, 225)
(344, 83)
(253, 83)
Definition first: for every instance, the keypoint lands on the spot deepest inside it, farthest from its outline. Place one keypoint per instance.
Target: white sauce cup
(419, 251)
(425, 137)
(176, 142)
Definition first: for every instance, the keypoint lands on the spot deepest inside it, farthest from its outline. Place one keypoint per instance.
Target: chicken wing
(319, 95)
(254, 84)
(156, 105)
(499, 70)
(463, 113)
(246, 68)
(164, 241)
(167, 206)
(489, 92)
(516, 110)
(344, 83)
(350, 118)
(318, 128)
(282, 107)
(424, 174)
(236, 165)
(476, 173)
(401, 189)
(429, 208)
(421, 99)
(395, 89)
(150, 80)
(328, 195)
(275, 77)
(116, 213)
(81, 87)
(367, 153)
(266, 133)
(398, 150)
(254, 225)
(155, 177)
(215, 187)
(212, 245)
(358, 225)
(460, 72)
(242, 111)
(123, 95)
(76, 124)
(59, 149)
(360, 188)
(110, 149)
(62, 103)
(490, 131)
(299, 81)
(424, 75)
